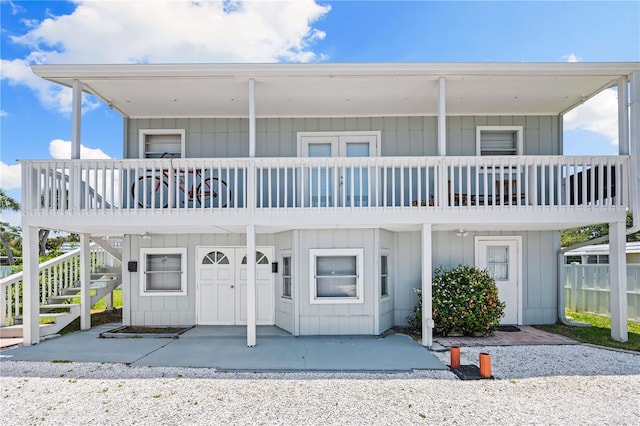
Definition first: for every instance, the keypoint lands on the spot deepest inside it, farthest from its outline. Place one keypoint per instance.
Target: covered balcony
(393, 190)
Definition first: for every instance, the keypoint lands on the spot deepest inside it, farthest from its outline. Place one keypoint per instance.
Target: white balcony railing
(286, 184)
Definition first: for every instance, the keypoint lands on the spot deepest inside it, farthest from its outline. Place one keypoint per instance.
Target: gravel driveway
(535, 384)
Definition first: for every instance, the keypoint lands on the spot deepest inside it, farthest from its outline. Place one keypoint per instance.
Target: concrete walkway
(224, 348)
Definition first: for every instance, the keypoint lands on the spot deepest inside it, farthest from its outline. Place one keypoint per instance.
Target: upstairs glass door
(343, 185)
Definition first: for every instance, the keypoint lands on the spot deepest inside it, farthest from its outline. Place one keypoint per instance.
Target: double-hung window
(164, 272)
(336, 276)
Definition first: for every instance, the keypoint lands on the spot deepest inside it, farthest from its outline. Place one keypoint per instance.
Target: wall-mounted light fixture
(144, 236)
(461, 233)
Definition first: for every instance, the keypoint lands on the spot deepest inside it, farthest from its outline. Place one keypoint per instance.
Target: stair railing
(54, 275)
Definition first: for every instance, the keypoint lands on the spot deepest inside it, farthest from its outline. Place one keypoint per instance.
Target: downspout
(634, 183)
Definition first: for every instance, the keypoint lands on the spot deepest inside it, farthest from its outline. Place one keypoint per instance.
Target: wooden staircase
(60, 288)
(62, 309)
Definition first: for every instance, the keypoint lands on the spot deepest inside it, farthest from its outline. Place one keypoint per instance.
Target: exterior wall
(386, 304)
(328, 319)
(284, 307)
(170, 310)
(401, 136)
(539, 269)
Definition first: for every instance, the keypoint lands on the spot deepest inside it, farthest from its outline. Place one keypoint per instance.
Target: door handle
(231, 286)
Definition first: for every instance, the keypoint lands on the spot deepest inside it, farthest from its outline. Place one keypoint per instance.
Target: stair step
(65, 297)
(58, 306)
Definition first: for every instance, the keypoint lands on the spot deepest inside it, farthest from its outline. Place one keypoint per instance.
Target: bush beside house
(465, 301)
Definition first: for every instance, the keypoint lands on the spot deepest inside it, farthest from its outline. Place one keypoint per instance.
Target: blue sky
(33, 114)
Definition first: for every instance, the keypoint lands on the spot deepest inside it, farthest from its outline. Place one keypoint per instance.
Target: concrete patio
(224, 348)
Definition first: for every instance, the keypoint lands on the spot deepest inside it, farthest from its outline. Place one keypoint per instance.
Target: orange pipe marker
(485, 365)
(454, 354)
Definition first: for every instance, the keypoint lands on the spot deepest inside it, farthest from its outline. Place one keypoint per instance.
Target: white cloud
(599, 115)
(571, 57)
(3, 113)
(61, 150)
(165, 31)
(10, 176)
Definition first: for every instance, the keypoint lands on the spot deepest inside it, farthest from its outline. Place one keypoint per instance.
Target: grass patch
(599, 333)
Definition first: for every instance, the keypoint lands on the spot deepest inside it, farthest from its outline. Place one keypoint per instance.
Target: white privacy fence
(587, 289)
(225, 184)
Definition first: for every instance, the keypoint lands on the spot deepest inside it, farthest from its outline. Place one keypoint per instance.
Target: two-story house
(316, 197)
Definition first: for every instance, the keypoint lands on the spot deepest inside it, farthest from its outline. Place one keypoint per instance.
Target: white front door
(501, 257)
(221, 296)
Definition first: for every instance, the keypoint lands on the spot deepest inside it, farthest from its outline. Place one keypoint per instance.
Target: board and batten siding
(335, 319)
(401, 136)
(171, 310)
(386, 305)
(284, 309)
(539, 269)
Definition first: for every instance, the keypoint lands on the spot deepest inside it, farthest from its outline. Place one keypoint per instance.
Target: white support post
(442, 141)
(251, 286)
(442, 118)
(427, 280)
(618, 280)
(76, 116)
(85, 282)
(623, 117)
(252, 118)
(634, 145)
(30, 287)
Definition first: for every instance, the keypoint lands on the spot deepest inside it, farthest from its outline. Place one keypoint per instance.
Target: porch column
(442, 140)
(427, 277)
(251, 285)
(30, 287)
(442, 118)
(634, 145)
(623, 117)
(75, 186)
(76, 115)
(618, 280)
(252, 118)
(85, 282)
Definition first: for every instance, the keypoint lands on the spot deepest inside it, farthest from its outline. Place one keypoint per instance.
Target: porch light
(461, 233)
(145, 236)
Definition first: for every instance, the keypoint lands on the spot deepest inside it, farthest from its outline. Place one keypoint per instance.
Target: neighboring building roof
(330, 90)
(633, 247)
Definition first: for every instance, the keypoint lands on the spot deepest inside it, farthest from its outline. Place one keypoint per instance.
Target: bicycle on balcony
(191, 187)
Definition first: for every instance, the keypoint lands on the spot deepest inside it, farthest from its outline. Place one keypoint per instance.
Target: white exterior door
(341, 186)
(221, 296)
(501, 257)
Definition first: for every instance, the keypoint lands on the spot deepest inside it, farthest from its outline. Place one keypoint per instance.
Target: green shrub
(465, 301)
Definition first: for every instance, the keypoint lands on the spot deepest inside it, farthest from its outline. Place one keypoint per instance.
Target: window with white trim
(336, 276)
(162, 143)
(498, 140)
(286, 277)
(163, 272)
(384, 275)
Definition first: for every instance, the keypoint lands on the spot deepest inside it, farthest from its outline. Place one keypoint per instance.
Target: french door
(221, 296)
(342, 185)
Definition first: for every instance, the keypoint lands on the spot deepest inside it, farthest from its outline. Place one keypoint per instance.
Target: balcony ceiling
(329, 90)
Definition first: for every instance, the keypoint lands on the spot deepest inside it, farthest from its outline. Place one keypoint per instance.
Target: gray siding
(329, 319)
(539, 269)
(284, 308)
(171, 310)
(386, 304)
(401, 136)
